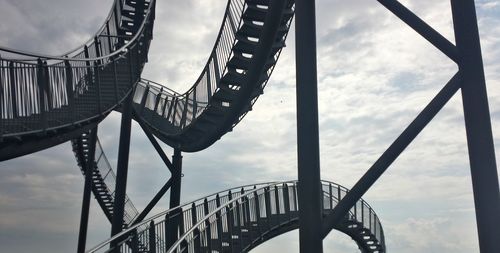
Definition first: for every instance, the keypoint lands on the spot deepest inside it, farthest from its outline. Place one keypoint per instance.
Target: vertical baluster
(47, 84)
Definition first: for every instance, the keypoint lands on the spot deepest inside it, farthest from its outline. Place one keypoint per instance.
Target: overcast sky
(375, 75)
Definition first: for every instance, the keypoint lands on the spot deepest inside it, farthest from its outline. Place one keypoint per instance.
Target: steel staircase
(239, 219)
(47, 100)
(231, 82)
(102, 176)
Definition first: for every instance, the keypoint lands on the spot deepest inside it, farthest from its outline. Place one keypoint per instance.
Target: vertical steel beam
(89, 169)
(309, 189)
(175, 197)
(122, 167)
(478, 125)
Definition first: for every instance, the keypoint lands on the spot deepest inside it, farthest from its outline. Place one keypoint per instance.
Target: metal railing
(181, 109)
(237, 220)
(40, 92)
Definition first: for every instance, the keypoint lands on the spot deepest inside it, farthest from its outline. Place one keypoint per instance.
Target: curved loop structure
(247, 48)
(46, 100)
(242, 219)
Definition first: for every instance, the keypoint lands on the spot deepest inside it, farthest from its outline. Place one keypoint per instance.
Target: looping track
(47, 100)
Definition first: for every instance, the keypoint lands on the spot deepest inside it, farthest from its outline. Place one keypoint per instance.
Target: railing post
(286, 200)
(229, 224)
(167, 227)
(157, 102)
(69, 86)
(13, 83)
(98, 86)
(362, 214)
(216, 71)
(144, 98)
(257, 212)
(238, 209)
(219, 222)
(152, 237)
(195, 104)
(41, 90)
(267, 203)
(208, 225)
(46, 76)
(330, 192)
(184, 113)
(110, 45)
(197, 240)
(135, 242)
(277, 200)
(193, 214)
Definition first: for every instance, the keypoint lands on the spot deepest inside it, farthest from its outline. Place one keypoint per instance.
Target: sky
(375, 75)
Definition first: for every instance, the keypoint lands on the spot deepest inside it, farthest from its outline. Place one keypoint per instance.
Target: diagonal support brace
(153, 202)
(390, 155)
(155, 143)
(422, 28)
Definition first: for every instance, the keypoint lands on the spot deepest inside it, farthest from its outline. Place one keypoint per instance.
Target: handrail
(122, 49)
(156, 216)
(191, 230)
(241, 198)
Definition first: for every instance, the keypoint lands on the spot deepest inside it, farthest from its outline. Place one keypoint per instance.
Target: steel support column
(89, 168)
(309, 188)
(478, 125)
(122, 167)
(175, 197)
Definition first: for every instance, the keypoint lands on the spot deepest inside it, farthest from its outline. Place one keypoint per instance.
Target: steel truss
(470, 79)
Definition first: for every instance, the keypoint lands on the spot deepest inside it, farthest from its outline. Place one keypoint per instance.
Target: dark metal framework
(470, 78)
(241, 218)
(46, 100)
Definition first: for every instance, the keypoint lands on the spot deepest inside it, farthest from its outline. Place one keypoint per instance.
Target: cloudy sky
(375, 75)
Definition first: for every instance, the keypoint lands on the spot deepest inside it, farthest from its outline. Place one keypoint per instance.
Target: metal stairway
(232, 80)
(103, 177)
(239, 219)
(47, 100)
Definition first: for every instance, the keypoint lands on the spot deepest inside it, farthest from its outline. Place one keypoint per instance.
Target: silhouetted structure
(47, 100)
